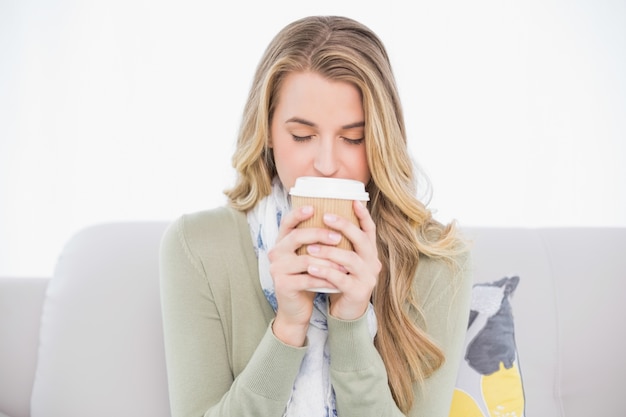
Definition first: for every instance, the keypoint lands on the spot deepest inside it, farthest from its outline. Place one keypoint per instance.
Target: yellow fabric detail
(502, 392)
(463, 405)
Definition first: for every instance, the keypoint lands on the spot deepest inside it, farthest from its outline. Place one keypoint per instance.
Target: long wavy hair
(342, 49)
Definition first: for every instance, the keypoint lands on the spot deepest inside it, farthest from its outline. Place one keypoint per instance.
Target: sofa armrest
(21, 302)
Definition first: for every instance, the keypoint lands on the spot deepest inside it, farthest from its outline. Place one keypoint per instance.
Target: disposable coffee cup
(328, 195)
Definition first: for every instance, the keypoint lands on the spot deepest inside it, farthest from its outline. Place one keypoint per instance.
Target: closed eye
(301, 138)
(354, 141)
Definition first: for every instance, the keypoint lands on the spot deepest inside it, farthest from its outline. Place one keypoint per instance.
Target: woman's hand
(358, 270)
(291, 280)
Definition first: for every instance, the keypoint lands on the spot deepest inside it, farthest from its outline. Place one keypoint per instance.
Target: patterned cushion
(489, 383)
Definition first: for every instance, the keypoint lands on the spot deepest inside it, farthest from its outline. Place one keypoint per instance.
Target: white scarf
(312, 394)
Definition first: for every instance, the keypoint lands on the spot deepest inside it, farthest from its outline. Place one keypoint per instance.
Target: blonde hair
(342, 49)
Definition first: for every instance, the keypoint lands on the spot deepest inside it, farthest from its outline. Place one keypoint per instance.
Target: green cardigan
(223, 359)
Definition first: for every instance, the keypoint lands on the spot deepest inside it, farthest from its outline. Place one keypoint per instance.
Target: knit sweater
(223, 359)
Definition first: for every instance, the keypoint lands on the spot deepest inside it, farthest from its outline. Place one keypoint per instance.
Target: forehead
(313, 97)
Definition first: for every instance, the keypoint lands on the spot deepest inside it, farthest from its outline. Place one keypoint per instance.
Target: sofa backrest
(21, 301)
(101, 348)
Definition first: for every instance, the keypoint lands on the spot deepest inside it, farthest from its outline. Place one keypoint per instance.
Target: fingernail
(330, 217)
(313, 248)
(313, 269)
(334, 236)
(306, 209)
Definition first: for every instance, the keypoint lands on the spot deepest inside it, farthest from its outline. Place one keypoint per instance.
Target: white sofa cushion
(101, 318)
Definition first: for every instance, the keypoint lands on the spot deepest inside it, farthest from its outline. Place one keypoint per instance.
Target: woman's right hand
(291, 281)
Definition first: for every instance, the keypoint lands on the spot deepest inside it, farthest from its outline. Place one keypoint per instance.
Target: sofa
(88, 340)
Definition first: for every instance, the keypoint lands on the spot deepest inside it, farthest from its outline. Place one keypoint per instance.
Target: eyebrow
(309, 123)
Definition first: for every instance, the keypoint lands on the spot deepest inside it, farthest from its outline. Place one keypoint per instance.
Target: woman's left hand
(358, 274)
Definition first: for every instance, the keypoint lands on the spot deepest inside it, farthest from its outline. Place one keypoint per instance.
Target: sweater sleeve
(358, 373)
(200, 376)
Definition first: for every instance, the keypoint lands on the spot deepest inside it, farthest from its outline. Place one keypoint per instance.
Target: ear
(270, 144)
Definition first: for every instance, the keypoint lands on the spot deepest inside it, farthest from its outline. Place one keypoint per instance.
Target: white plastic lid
(321, 187)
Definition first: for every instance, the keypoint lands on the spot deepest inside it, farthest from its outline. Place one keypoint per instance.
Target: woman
(244, 334)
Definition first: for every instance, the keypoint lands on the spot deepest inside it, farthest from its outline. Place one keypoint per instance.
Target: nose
(326, 161)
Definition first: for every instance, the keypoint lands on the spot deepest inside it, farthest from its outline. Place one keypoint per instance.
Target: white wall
(128, 109)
